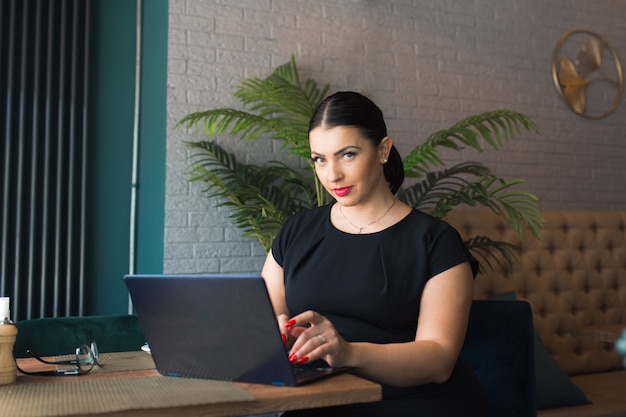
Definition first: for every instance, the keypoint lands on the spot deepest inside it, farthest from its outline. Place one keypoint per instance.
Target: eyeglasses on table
(82, 362)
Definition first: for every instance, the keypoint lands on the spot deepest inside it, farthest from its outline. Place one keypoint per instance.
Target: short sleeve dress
(369, 286)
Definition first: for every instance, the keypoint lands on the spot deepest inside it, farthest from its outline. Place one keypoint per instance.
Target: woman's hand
(314, 337)
(288, 333)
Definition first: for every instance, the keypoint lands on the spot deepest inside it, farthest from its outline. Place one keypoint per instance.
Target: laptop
(216, 326)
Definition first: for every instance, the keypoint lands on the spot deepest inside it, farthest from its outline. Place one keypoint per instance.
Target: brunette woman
(369, 282)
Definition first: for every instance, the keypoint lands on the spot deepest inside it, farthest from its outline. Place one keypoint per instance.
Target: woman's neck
(364, 218)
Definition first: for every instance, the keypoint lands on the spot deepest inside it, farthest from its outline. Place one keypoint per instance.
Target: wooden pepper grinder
(8, 331)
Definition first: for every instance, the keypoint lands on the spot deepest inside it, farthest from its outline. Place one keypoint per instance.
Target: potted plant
(279, 108)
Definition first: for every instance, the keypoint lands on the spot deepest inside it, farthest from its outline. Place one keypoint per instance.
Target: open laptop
(216, 326)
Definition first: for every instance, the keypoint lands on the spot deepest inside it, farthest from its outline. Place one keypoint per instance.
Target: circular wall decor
(587, 74)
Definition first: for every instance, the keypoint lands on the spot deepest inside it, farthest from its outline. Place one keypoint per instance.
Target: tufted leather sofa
(575, 281)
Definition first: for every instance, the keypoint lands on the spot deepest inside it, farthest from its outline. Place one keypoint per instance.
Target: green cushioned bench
(62, 335)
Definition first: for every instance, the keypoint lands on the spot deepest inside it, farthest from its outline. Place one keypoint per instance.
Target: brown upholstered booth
(575, 281)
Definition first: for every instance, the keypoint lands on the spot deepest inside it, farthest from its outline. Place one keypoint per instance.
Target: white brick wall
(427, 63)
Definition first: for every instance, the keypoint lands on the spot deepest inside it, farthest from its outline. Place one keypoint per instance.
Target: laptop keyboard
(313, 370)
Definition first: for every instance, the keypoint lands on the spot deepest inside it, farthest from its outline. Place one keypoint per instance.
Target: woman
(370, 283)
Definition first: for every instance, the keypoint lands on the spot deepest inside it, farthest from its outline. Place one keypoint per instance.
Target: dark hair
(347, 108)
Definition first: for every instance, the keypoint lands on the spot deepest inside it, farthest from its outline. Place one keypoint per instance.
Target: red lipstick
(340, 192)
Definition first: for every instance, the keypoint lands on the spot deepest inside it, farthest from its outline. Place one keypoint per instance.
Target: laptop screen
(213, 326)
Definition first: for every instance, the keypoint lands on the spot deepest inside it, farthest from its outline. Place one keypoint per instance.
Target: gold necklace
(369, 224)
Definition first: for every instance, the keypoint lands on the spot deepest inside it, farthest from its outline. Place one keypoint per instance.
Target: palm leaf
(490, 252)
(282, 93)
(279, 107)
(436, 185)
(494, 127)
(440, 192)
(260, 196)
(516, 207)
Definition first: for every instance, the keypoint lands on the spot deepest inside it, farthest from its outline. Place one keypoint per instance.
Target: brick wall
(426, 63)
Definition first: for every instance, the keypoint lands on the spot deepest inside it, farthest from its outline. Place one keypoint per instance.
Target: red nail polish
(290, 323)
(303, 359)
(284, 336)
(292, 358)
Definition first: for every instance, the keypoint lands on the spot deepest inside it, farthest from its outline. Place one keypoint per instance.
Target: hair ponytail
(394, 170)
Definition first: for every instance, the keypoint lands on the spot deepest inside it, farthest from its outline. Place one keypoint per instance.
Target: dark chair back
(499, 348)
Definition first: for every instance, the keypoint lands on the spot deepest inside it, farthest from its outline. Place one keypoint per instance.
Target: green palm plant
(279, 108)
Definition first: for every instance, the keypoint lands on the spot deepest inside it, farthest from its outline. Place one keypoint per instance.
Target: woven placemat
(79, 397)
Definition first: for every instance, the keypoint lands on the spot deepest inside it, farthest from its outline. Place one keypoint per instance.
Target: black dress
(369, 286)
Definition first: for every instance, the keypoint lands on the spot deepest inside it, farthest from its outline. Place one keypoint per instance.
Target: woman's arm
(442, 324)
(273, 275)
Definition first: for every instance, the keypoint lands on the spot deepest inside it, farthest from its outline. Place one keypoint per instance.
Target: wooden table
(336, 390)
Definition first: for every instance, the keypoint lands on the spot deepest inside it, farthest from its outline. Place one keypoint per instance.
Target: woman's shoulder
(425, 221)
(422, 226)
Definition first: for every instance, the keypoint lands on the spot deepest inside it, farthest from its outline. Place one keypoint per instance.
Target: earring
(385, 161)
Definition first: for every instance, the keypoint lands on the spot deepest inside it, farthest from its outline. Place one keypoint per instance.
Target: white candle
(5, 310)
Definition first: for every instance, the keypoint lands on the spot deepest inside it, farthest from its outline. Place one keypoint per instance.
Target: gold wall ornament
(592, 79)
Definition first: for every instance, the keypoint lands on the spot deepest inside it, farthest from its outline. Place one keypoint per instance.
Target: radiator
(43, 163)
